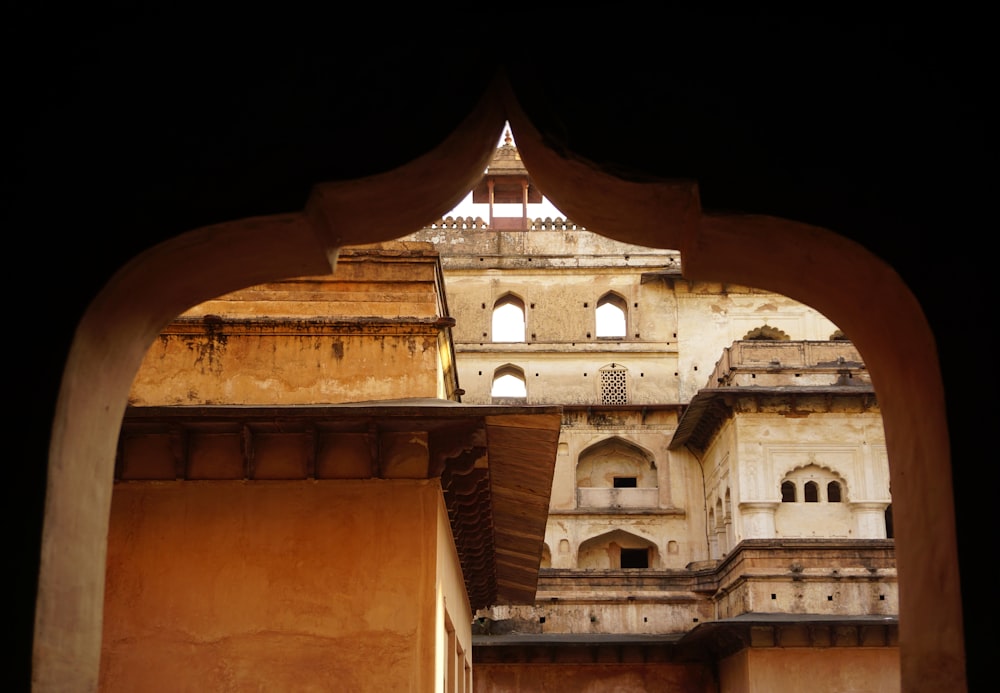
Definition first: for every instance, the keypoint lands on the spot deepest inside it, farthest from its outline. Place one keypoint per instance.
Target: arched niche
(617, 550)
(871, 303)
(615, 463)
(546, 561)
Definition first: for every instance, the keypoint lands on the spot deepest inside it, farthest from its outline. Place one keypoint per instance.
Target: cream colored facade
(678, 438)
(682, 435)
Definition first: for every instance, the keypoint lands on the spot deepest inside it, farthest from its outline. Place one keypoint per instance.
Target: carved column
(758, 519)
(869, 519)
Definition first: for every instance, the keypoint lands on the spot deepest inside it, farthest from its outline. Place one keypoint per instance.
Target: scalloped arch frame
(780, 255)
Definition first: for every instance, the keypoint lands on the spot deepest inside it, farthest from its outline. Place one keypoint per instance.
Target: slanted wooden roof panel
(522, 455)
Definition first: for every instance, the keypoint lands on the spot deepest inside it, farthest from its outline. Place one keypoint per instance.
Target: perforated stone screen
(613, 387)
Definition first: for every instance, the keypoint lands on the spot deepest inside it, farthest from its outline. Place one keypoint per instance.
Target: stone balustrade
(538, 224)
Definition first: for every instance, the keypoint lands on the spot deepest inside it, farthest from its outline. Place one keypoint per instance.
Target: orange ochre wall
(305, 368)
(816, 670)
(772, 670)
(276, 586)
(621, 678)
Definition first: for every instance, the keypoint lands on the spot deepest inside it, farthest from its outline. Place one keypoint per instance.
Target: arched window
(787, 491)
(833, 492)
(508, 381)
(811, 478)
(612, 311)
(508, 319)
(615, 463)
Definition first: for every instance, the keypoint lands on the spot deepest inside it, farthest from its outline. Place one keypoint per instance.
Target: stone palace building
(502, 454)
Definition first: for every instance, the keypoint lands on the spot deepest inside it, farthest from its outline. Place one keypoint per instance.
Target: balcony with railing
(774, 363)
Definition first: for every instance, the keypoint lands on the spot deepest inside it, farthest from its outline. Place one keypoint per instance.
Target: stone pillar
(758, 519)
(489, 183)
(524, 203)
(869, 519)
(720, 540)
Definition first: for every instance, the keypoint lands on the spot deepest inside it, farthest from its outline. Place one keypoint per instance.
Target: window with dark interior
(812, 492)
(833, 492)
(625, 482)
(787, 492)
(635, 558)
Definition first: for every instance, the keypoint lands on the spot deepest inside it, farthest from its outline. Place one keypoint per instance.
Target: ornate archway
(780, 255)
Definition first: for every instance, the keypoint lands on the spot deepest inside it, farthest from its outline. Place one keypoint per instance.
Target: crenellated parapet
(557, 224)
(459, 223)
(478, 223)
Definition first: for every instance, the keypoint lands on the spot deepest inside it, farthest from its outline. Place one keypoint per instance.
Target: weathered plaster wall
(844, 446)
(551, 378)
(376, 328)
(370, 330)
(809, 577)
(233, 586)
(665, 510)
(453, 615)
(564, 245)
(390, 279)
(315, 366)
(825, 670)
(559, 276)
(622, 678)
(711, 316)
(754, 452)
(597, 609)
(560, 304)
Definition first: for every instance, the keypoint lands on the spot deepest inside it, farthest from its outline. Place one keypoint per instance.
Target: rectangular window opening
(635, 558)
(625, 482)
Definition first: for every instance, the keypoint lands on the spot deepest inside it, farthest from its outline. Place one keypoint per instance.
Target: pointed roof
(506, 160)
(508, 175)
